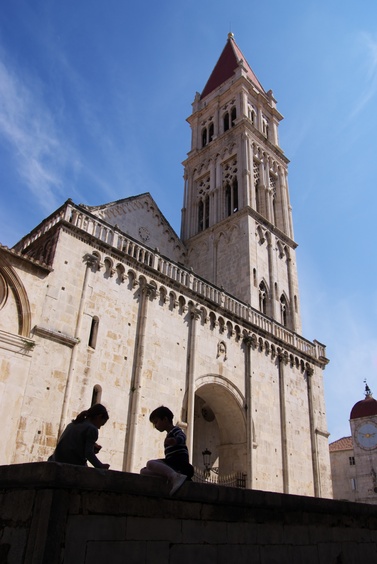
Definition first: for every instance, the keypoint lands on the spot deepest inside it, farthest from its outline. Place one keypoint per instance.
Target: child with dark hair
(77, 443)
(175, 467)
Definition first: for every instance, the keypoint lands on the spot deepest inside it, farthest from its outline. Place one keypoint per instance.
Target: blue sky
(93, 101)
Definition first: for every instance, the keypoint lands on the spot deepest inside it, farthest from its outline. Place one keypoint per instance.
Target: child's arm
(178, 438)
(90, 443)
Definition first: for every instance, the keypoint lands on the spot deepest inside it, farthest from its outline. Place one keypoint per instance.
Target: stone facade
(108, 304)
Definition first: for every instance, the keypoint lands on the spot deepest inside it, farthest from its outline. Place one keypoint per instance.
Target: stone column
(246, 172)
(272, 277)
(146, 292)
(262, 189)
(253, 198)
(249, 343)
(212, 192)
(195, 314)
(92, 263)
(269, 194)
(291, 292)
(220, 198)
(282, 361)
(313, 439)
(185, 208)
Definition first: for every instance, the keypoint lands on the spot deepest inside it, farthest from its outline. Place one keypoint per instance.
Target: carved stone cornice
(56, 336)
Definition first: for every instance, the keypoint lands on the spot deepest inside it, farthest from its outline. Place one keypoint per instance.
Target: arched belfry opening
(219, 427)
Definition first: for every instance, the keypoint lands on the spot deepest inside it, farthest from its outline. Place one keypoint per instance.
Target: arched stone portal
(220, 426)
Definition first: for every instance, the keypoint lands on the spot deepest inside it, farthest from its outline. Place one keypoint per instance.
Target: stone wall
(52, 513)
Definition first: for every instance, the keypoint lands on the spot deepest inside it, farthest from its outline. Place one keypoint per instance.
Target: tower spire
(228, 63)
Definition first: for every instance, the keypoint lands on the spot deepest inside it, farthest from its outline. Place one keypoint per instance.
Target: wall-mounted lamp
(207, 462)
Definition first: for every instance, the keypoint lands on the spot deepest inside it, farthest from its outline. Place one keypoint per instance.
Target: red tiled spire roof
(226, 65)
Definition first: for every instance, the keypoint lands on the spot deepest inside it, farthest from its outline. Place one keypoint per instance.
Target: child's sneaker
(177, 482)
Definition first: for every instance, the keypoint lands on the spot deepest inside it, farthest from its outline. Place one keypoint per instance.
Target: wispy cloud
(27, 127)
(368, 44)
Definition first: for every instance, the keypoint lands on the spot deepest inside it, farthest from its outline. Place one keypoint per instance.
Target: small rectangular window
(353, 484)
(352, 460)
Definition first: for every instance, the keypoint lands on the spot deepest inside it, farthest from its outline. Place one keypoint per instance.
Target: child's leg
(158, 468)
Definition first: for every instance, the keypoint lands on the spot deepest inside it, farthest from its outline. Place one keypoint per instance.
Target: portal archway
(219, 425)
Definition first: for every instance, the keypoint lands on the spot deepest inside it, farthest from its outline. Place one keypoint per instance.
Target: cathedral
(108, 304)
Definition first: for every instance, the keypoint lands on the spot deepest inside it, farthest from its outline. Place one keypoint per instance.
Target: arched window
(93, 332)
(283, 310)
(206, 213)
(210, 132)
(235, 195)
(265, 127)
(204, 137)
(231, 198)
(228, 200)
(201, 216)
(233, 115)
(252, 115)
(226, 121)
(96, 395)
(262, 298)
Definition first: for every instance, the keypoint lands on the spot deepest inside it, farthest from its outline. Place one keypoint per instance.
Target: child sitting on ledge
(175, 467)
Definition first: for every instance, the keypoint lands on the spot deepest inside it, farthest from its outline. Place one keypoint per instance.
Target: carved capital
(149, 290)
(250, 341)
(93, 261)
(195, 313)
(283, 356)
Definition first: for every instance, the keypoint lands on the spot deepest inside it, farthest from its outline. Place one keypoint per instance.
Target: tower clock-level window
(211, 132)
(229, 119)
(252, 115)
(226, 121)
(207, 134)
(233, 116)
(204, 137)
(265, 127)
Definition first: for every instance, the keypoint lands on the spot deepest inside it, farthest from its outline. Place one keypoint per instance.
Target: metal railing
(232, 480)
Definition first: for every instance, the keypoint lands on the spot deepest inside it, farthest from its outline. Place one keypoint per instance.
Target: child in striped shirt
(175, 467)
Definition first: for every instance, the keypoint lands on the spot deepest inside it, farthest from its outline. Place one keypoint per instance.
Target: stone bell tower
(236, 217)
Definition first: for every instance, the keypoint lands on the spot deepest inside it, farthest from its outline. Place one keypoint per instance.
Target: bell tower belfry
(236, 217)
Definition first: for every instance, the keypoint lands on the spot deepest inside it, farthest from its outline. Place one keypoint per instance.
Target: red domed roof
(364, 408)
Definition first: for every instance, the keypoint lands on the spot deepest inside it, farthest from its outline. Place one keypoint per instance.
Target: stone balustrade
(177, 273)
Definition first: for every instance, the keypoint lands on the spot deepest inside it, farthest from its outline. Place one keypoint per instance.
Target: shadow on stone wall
(62, 514)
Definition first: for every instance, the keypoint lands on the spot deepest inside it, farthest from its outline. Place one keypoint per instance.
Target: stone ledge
(62, 514)
(52, 475)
